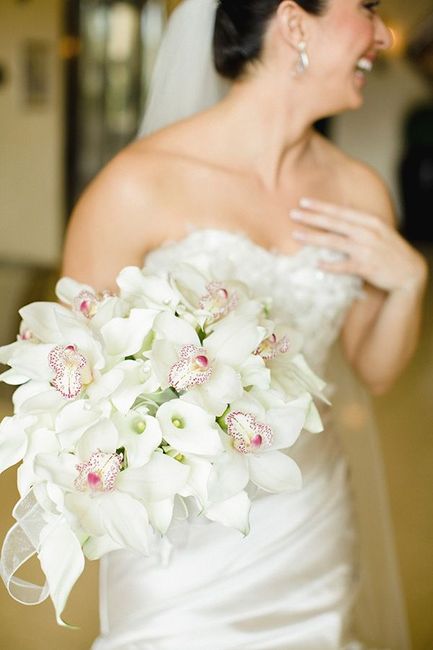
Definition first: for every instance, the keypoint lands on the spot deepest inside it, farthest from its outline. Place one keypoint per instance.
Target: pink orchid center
(257, 440)
(202, 361)
(192, 368)
(25, 335)
(87, 303)
(270, 347)
(85, 306)
(218, 302)
(69, 367)
(93, 479)
(248, 434)
(99, 473)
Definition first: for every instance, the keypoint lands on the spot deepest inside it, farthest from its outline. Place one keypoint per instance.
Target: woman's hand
(373, 249)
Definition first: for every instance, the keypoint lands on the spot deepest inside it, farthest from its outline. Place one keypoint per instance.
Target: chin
(349, 104)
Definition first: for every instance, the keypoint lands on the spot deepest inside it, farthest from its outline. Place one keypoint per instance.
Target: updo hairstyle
(240, 27)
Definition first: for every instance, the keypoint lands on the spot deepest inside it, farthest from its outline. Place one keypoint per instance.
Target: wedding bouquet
(177, 395)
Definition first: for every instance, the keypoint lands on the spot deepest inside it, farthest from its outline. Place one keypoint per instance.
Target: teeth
(365, 65)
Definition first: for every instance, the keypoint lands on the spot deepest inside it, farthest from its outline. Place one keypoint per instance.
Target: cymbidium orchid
(205, 301)
(208, 372)
(179, 391)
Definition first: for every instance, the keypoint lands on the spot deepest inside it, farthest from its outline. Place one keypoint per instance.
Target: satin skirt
(289, 585)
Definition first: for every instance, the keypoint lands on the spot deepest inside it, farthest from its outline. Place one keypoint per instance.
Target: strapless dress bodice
(312, 301)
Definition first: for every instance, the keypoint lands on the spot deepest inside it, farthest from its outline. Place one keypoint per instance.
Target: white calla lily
(189, 428)
(139, 433)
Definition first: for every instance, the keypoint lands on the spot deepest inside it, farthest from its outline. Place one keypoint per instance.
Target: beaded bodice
(311, 300)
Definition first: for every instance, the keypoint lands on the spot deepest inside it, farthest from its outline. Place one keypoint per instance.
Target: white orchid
(208, 372)
(178, 392)
(204, 300)
(142, 288)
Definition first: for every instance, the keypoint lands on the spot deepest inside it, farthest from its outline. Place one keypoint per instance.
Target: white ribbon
(22, 542)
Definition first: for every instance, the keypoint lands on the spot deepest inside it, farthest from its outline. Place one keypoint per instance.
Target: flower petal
(57, 468)
(97, 546)
(235, 337)
(169, 327)
(223, 387)
(73, 420)
(13, 440)
(145, 289)
(230, 475)
(160, 514)
(125, 336)
(125, 520)
(67, 289)
(288, 421)
(198, 480)
(62, 561)
(103, 435)
(273, 471)
(160, 479)
(233, 512)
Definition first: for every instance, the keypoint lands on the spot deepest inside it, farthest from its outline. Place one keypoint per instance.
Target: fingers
(324, 222)
(323, 239)
(340, 213)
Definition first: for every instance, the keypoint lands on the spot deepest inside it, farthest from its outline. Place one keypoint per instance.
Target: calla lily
(189, 428)
(139, 433)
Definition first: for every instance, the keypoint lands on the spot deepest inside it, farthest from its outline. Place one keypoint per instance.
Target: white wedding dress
(293, 582)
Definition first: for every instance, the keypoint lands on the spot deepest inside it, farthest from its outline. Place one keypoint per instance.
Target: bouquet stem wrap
(20, 545)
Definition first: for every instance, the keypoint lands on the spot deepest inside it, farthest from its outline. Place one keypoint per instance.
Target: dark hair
(240, 26)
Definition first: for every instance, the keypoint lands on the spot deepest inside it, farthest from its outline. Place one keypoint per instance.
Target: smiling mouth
(364, 65)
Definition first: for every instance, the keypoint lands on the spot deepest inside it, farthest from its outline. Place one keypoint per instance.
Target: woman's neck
(266, 133)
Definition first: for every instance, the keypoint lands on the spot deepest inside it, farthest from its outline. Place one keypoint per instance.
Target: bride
(232, 168)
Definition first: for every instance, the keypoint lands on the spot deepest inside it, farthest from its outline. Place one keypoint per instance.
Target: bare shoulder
(118, 218)
(360, 185)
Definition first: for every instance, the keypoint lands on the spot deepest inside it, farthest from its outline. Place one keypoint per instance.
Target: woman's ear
(291, 21)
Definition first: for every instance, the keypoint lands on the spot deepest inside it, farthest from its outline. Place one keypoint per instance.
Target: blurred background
(73, 81)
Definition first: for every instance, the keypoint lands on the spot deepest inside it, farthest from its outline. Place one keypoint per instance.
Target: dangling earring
(303, 59)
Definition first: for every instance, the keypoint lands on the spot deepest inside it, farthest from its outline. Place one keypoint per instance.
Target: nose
(383, 35)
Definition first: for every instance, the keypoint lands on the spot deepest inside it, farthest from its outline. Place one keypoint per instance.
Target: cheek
(345, 36)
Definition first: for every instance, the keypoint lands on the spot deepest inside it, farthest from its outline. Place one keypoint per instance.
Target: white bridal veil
(184, 82)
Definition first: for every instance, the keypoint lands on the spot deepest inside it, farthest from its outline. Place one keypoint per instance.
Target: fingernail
(296, 215)
(305, 202)
(298, 234)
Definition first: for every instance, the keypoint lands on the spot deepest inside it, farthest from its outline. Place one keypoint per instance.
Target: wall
(31, 165)
(374, 133)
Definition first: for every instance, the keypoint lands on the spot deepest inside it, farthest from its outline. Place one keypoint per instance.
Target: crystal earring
(303, 58)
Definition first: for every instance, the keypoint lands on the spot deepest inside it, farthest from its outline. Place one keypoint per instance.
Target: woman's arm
(381, 330)
(111, 226)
